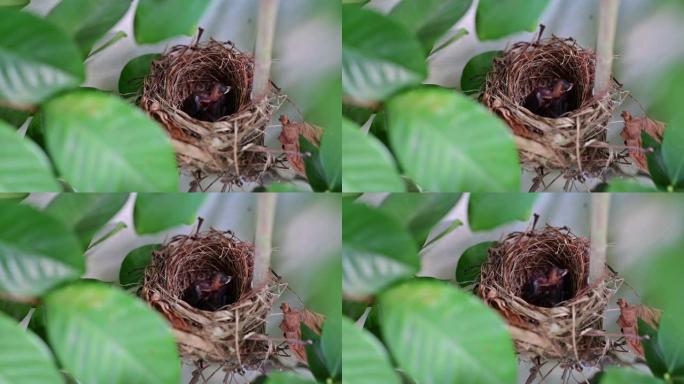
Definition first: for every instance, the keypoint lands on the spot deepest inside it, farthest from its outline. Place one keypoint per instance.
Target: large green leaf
(100, 143)
(37, 59)
(440, 334)
(86, 213)
(23, 166)
(376, 250)
(429, 19)
(155, 212)
(134, 72)
(88, 20)
(36, 251)
(662, 278)
(367, 164)
(365, 360)
(331, 345)
(24, 358)
(656, 163)
(470, 263)
(476, 70)
(331, 157)
(419, 213)
(652, 352)
(14, 117)
(673, 152)
(157, 20)
(103, 335)
(499, 18)
(615, 375)
(448, 143)
(490, 210)
(670, 339)
(15, 310)
(17, 4)
(283, 378)
(133, 267)
(379, 56)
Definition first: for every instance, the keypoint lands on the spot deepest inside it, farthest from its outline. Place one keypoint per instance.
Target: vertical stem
(600, 208)
(608, 13)
(268, 10)
(266, 205)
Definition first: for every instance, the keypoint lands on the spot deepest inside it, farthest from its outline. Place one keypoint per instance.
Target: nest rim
(571, 331)
(233, 336)
(233, 146)
(575, 143)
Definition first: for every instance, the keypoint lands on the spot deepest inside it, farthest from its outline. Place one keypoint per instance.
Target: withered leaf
(291, 326)
(628, 322)
(289, 138)
(631, 133)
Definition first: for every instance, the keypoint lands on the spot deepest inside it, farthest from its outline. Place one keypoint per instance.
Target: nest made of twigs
(233, 146)
(572, 330)
(574, 143)
(233, 336)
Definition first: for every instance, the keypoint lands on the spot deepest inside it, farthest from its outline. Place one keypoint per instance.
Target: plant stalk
(268, 10)
(600, 208)
(263, 238)
(608, 14)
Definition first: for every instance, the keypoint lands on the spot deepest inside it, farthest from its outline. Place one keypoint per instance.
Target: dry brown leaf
(289, 138)
(291, 326)
(631, 133)
(628, 322)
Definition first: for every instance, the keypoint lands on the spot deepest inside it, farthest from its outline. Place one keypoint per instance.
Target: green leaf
(656, 164)
(101, 334)
(14, 117)
(429, 20)
(662, 277)
(23, 166)
(37, 251)
(627, 185)
(379, 56)
(155, 212)
(653, 354)
(367, 164)
(376, 250)
(670, 339)
(119, 35)
(614, 375)
(499, 18)
(313, 166)
(440, 334)
(37, 59)
(419, 213)
(24, 358)
(15, 310)
(86, 213)
(284, 378)
(365, 360)
(134, 72)
(133, 267)
(470, 263)
(14, 3)
(314, 354)
(454, 224)
(331, 157)
(448, 143)
(281, 187)
(331, 345)
(476, 70)
(673, 152)
(157, 20)
(100, 143)
(490, 210)
(87, 20)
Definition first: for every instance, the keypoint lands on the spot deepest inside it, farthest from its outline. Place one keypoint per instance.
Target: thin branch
(608, 14)
(268, 10)
(600, 208)
(266, 206)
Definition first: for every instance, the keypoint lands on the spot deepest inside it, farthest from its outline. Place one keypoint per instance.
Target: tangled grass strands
(205, 147)
(576, 142)
(571, 331)
(233, 336)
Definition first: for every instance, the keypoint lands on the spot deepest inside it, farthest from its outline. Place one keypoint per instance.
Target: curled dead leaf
(631, 133)
(629, 325)
(289, 138)
(291, 327)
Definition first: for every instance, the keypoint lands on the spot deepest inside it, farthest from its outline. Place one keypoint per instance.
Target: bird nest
(233, 145)
(575, 142)
(569, 330)
(234, 335)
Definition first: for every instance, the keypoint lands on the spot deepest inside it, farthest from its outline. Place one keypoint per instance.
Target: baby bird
(209, 294)
(547, 290)
(208, 105)
(549, 101)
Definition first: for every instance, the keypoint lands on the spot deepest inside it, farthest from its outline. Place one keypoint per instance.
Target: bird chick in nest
(547, 289)
(208, 105)
(550, 101)
(210, 294)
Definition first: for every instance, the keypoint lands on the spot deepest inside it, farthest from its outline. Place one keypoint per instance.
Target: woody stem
(608, 13)
(268, 10)
(266, 205)
(600, 208)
